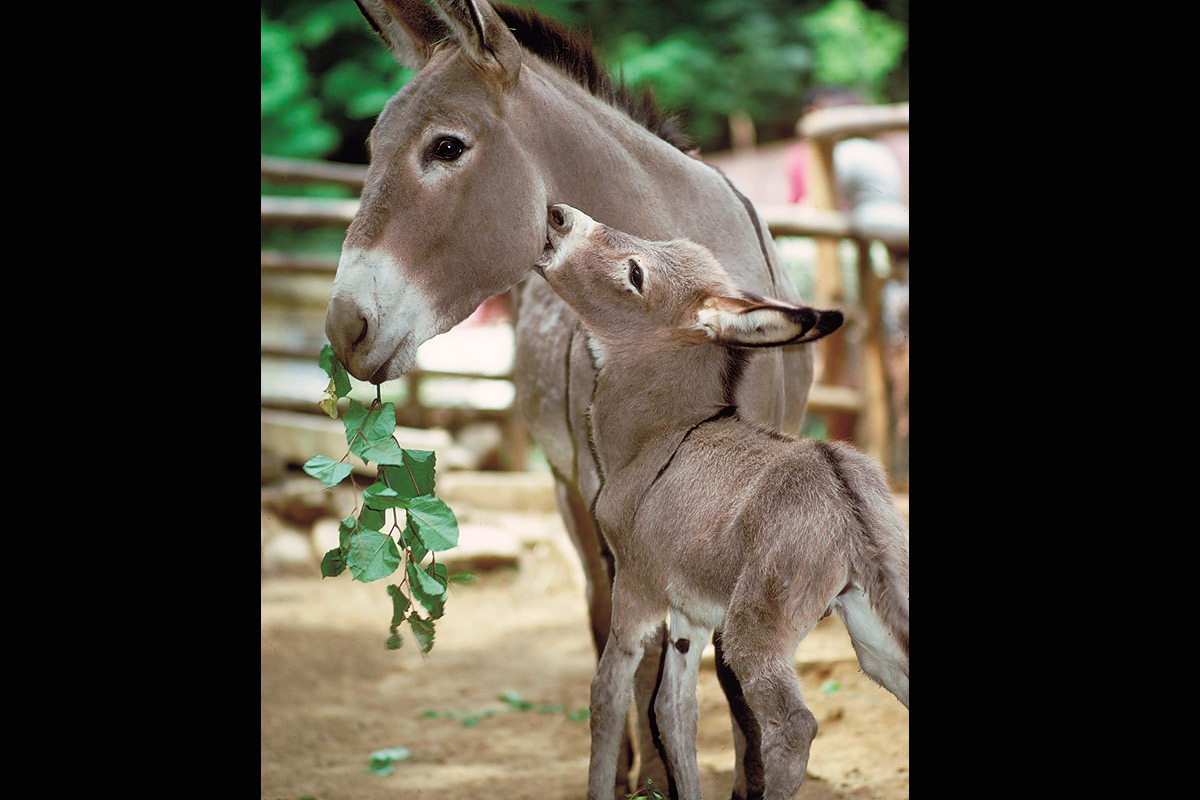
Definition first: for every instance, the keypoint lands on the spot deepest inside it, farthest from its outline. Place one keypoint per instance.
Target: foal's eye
(635, 275)
(448, 148)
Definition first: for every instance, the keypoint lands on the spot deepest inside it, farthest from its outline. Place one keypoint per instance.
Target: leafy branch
(369, 545)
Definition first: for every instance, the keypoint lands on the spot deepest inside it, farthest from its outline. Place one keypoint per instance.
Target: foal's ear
(409, 28)
(748, 320)
(483, 36)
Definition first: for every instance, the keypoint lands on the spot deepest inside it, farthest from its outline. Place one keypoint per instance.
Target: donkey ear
(483, 36)
(409, 28)
(752, 321)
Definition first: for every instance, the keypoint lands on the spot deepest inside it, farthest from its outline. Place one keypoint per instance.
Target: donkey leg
(747, 736)
(652, 766)
(598, 570)
(593, 553)
(788, 727)
(676, 707)
(760, 645)
(611, 696)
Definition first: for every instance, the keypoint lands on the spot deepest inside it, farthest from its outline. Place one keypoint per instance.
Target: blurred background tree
(326, 75)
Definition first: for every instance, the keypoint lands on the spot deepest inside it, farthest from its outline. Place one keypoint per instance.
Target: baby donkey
(719, 521)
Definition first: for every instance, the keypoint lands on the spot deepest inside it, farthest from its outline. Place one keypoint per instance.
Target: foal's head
(631, 290)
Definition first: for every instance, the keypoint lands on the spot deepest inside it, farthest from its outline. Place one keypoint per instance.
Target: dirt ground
(331, 694)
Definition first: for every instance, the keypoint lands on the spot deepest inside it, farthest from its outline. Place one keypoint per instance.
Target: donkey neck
(646, 403)
(596, 158)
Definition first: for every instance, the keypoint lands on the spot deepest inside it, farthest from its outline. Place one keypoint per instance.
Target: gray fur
(722, 522)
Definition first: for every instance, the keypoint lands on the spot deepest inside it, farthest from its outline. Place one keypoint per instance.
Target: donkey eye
(448, 148)
(635, 275)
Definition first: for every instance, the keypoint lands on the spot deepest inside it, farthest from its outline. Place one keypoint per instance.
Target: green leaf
(333, 564)
(429, 590)
(371, 519)
(514, 702)
(434, 522)
(328, 401)
(382, 760)
(371, 555)
(410, 539)
(369, 433)
(461, 577)
(379, 497)
(346, 529)
(326, 470)
(394, 641)
(399, 605)
(384, 451)
(422, 631)
(415, 477)
(339, 379)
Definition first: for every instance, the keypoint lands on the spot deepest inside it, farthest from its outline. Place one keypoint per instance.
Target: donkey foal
(717, 521)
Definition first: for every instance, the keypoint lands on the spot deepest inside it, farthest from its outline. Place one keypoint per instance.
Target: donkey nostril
(362, 334)
(557, 218)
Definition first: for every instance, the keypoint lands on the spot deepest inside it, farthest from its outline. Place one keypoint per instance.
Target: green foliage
(853, 46)
(291, 116)
(381, 761)
(368, 546)
(326, 75)
(716, 58)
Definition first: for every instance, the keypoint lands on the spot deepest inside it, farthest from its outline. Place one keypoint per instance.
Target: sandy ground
(331, 694)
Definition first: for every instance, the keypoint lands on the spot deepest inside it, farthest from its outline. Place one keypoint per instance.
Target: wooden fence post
(875, 419)
(830, 289)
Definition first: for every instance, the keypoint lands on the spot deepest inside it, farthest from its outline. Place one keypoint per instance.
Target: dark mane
(573, 53)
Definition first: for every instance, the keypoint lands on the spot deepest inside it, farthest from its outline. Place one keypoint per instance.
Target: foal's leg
(676, 706)
(652, 771)
(761, 651)
(747, 736)
(612, 694)
(788, 727)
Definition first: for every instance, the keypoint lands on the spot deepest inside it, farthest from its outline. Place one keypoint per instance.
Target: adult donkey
(508, 113)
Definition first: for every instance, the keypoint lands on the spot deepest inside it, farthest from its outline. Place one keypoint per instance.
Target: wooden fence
(858, 413)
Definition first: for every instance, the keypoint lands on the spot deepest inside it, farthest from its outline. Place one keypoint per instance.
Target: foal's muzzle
(560, 220)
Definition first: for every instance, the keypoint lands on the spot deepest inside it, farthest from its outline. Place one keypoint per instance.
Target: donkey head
(627, 289)
(452, 210)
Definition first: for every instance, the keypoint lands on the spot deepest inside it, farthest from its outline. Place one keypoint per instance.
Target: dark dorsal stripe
(726, 411)
(735, 365)
(852, 498)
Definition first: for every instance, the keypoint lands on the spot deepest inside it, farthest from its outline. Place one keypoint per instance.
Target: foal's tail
(875, 606)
